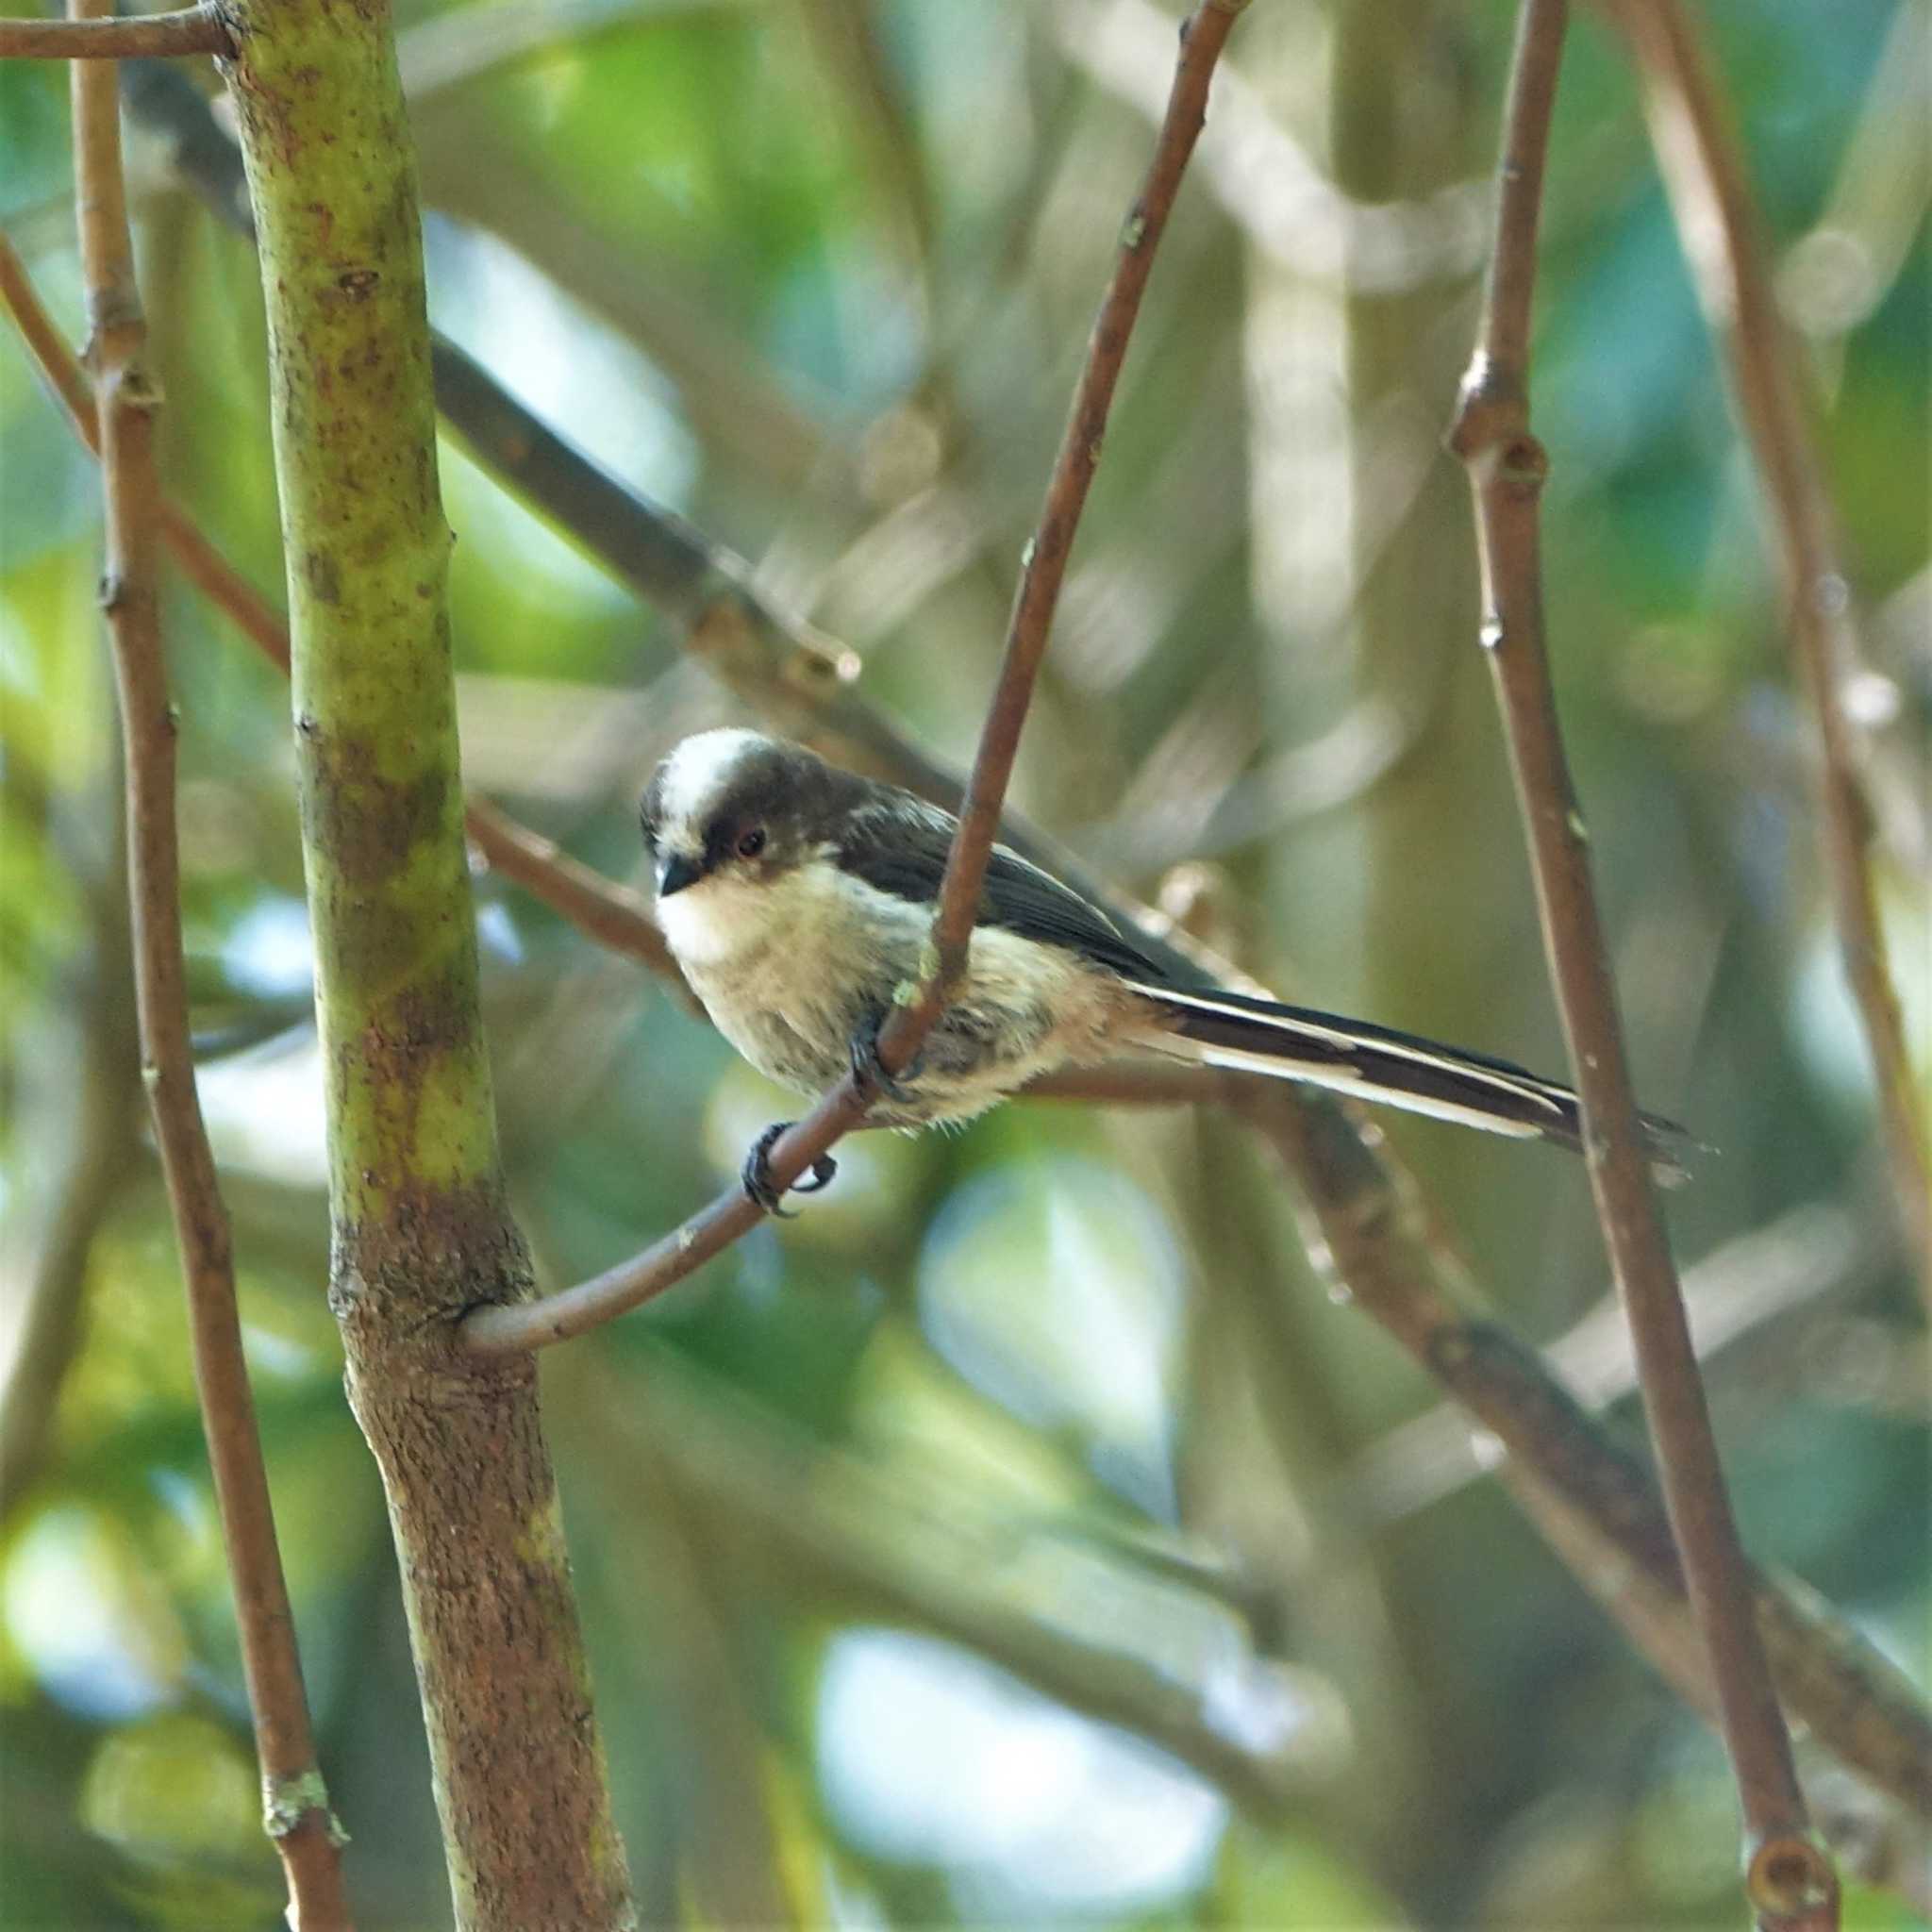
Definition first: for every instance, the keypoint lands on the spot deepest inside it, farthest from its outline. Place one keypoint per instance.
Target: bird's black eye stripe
(751, 841)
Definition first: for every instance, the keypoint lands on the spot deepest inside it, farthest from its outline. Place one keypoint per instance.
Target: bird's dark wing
(901, 848)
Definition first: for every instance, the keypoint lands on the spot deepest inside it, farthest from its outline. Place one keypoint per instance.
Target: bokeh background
(1022, 1536)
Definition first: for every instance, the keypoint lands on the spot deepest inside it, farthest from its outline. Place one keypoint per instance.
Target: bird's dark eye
(752, 842)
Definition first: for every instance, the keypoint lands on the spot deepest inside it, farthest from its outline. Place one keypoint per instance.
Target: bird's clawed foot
(756, 1175)
(868, 1068)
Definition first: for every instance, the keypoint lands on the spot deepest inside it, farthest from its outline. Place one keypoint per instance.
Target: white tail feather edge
(1280, 1067)
(1284, 1065)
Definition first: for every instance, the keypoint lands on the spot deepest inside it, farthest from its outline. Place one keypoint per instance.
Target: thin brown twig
(507, 1329)
(149, 35)
(1789, 1877)
(126, 398)
(1703, 170)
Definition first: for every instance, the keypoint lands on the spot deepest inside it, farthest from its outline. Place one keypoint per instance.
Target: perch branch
(127, 397)
(1704, 175)
(501, 1330)
(151, 36)
(1789, 1878)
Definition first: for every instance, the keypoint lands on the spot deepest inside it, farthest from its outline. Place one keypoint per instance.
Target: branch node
(1522, 463)
(1490, 407)
(137, 390)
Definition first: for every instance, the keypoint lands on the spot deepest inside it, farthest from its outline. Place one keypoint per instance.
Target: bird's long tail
(1225, 1030)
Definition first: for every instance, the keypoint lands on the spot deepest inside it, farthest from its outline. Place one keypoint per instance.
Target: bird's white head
(729, 816)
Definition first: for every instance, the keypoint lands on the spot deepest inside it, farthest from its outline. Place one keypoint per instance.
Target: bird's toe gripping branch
(756, 1175)
(869, 1070)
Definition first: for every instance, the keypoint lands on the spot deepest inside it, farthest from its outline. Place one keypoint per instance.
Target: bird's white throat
(725, 917)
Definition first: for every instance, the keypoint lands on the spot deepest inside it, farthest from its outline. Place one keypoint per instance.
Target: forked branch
(1787, 1876)
(502, 1330)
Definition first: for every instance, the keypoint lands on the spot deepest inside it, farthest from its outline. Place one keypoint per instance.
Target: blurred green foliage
(894, 1527)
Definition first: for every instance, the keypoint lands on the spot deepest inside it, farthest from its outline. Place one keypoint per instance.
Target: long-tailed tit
(798, 899)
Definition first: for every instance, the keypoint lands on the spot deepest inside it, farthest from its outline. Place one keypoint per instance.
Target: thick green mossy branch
(331, 176)
(421, 1229)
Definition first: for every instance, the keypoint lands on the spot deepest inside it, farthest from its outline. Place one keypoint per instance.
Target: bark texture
(421, 1230)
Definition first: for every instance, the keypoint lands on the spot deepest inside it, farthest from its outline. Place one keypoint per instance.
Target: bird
(798, 898)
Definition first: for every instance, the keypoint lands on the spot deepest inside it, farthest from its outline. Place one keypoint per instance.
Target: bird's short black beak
(675, 873)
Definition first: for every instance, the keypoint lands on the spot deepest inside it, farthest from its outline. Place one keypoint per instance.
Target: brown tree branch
(1704, 175)
(1789, 1877)
(127, 397)
(504, 1329)
(1375, 1239)
(150, 35)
